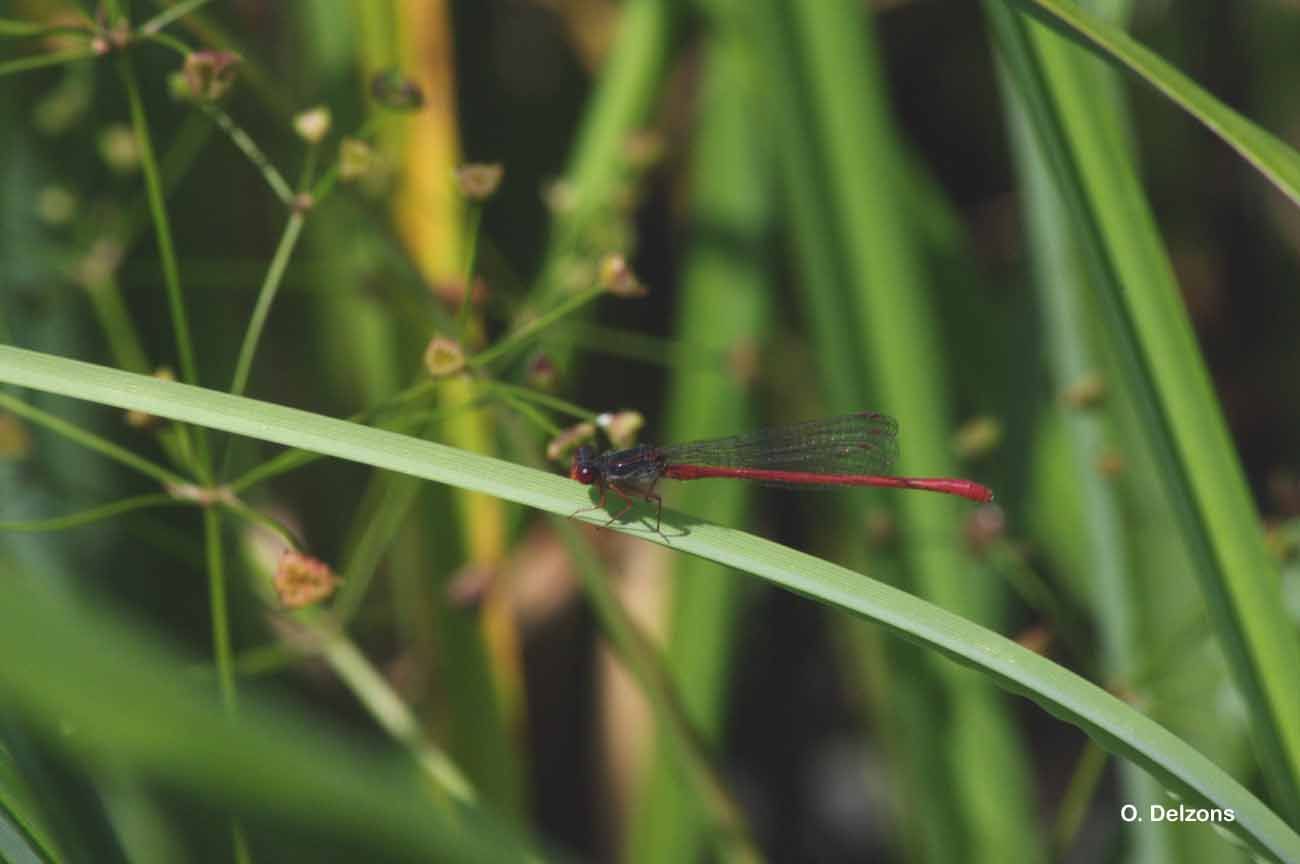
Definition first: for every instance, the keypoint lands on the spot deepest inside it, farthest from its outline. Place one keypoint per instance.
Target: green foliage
(162, 693)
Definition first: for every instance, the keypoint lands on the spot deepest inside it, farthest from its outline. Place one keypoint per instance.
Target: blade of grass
(848, 134)
(907, 712)
(1276, 160)
(680, 739)
(1158, 352)
(103, 691)
(1103, 717)
(1068, 341)
(26, 832)
(722, 313)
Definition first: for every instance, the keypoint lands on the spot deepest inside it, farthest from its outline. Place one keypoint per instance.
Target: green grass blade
(102, 691)
(723, 313)
(1275, 159)
(1100, 528)
(1157, 350)
(848, 136)
(629, 85)
(1106, 719)
(26, 834)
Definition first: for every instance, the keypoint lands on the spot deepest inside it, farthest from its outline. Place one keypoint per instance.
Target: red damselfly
(853, 450)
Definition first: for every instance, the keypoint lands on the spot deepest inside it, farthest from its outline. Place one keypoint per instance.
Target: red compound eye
(582, 468)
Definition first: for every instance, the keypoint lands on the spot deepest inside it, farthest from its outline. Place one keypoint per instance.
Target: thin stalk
(640, 657)
(624, 101)
(16, 28)
(523, 334)
(546, 400)
(162, 226)
(327, 181)
(249, 148)
(90, 441)
(170, 14)
(166, 249)
(1079, 794)
(40, 61)
(225, 660)
(168, 41)
(220, 608)
(256, 517)
(385, 506)
(473, 220)
(265, 297)
(94, 514)
(537, 418)
(394, 715)
(123, 340)
(269, 658)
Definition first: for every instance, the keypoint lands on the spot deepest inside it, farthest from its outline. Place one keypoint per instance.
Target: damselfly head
(584, 469)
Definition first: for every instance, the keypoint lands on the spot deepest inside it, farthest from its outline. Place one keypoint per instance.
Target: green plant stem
(261, 310)
(40, 61)
(265, 297)
(256, 517)
(161, 223)
(95, 514)
(90, 441)
(629, 86)
(110, 311)
(522, 335)
(249, 148)
(330, 177)
(385, 507)
(1079, 795)
(537, 418)
(225, 659)
(266, 659)
(643, 661)
(20, 29)
(546, 400)
(170, 14)
(168, 41)
(166, 249)
(392, 714)
(473, 224)
(220, 608)
(308, 167)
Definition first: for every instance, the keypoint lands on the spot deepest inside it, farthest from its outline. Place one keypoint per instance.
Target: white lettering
(1183, 813)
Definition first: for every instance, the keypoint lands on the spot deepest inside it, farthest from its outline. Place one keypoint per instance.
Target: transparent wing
(863, 443)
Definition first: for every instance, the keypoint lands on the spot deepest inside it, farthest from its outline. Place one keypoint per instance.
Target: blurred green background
(719, 215)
